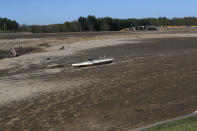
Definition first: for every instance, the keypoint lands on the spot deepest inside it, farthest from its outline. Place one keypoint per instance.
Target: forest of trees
(91, 23)
(8, 25)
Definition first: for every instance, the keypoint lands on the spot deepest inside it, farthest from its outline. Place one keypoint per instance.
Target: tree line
(8, 25)
(91, 23)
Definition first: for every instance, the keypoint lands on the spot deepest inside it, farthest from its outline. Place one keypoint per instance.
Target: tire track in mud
(39, 73)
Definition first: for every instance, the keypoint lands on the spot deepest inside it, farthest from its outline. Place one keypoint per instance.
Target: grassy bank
(187, 124)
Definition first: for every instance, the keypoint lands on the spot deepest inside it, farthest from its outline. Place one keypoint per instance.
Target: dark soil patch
(20, 51)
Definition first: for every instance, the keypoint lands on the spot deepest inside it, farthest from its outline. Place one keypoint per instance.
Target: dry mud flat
(151, 80)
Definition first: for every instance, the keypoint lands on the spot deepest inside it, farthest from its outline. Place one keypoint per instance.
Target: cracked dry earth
(150, 81)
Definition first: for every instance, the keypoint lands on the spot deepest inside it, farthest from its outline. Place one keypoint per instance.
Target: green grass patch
(186, 124)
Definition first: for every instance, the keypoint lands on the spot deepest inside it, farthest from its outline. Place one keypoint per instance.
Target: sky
(45, 12)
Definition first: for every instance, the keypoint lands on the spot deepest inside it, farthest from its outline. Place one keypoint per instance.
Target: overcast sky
(58, 11)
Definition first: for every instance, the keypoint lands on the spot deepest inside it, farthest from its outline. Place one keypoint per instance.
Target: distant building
(145, 27)
(142, 28)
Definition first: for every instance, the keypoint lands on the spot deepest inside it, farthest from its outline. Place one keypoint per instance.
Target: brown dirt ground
(149, 82)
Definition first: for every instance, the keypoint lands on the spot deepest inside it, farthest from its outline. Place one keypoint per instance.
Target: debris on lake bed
(13, 52)
(93, 62)
(62, 48)
(90, 62)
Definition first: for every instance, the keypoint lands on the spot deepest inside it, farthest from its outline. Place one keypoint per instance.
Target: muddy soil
(20, 51)
(58, 35)
(148, 82)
